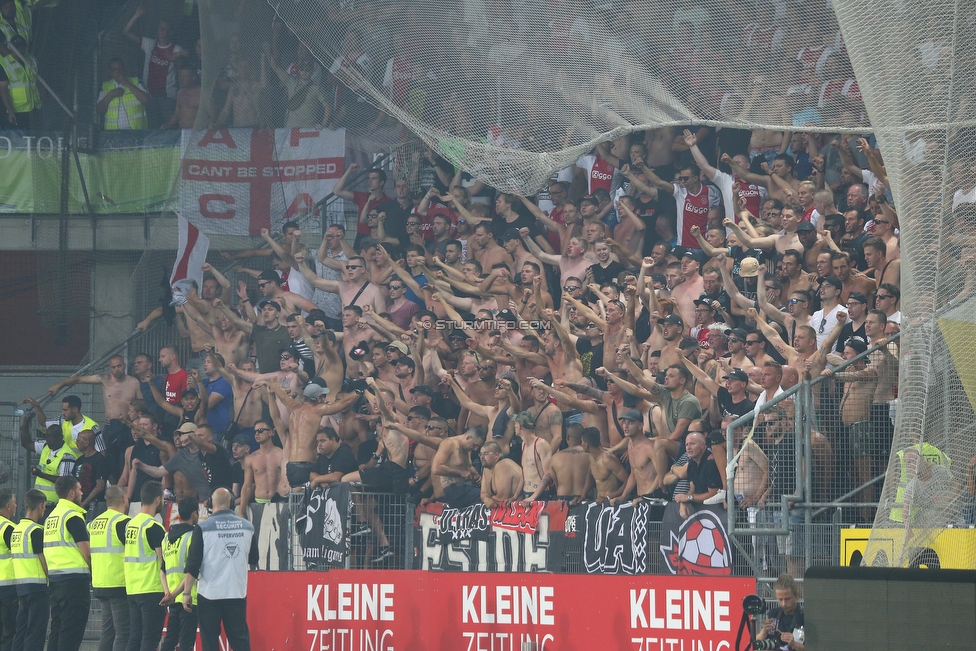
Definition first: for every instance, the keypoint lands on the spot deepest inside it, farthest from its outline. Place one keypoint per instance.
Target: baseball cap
(737, 374)
(633, 415)
(738, 333)
(315, 315)
(241, 439)
(424, 389)
(315, 388)
(705, 303)
(525, 419)
(835, 281)
(749, 268)
(858, 344)
(263, 302)
(694, 254)
(590, 199)
(186, 428)
(659, 278)
(858, 296)
(398, 345)
(673, 318)
(408, 361)
(805, 227)
(511, 234)
(270, 275)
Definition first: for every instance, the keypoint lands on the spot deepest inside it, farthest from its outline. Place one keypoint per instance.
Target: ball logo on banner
(701, 546)
(332, 527)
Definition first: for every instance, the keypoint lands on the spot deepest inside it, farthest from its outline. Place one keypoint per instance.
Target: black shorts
(385, 478)
(298, 473)
(463, 495)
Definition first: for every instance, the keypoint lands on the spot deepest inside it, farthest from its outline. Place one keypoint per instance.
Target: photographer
(783, 621)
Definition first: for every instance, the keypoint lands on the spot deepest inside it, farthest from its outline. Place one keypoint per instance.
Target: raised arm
(700, 375)
(481, 410)
(127, 30)
(691, 140)
(772, 336)
(244, 326)
(626, 255)
(340, 187)
(548, 258)
(742, 173)
(655, 180)
(765, 243)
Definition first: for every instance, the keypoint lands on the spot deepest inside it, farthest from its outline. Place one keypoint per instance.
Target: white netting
(512, 91)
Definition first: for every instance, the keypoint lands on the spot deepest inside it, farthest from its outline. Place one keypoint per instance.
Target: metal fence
(825, 445)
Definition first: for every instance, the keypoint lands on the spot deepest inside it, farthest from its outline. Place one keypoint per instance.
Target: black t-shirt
(608, 274)
(366, 451)
(396, 219)
(846, 333)
(729, 408)
(219, 469)
(342, 460)
(522, 221)
(237, 473)
(704, 475)
(591, 357)
(88, 470)
(155, 535)
(785, 623)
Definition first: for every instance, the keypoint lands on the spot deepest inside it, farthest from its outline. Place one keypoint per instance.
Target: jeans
(115, 623)
(147, 616)
(32, 618)
(70, 602)
(233, 613)
(181, 628)
(8, 621)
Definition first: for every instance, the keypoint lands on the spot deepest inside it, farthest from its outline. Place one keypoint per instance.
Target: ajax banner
(238, 181)
(430, 611)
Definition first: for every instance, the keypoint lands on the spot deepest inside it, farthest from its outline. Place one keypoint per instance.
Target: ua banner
(238, 181)
(615, 539)
(322, 526)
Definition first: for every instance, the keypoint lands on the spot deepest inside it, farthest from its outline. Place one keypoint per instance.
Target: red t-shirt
(752, 195)
(174, 385)
(159, 65)
(361, 198)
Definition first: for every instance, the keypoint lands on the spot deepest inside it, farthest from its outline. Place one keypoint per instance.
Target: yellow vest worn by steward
(107, 551)
(134, 109)
(50, 460)
(69, 440)
(929, 453)
(27, 564)
(6, 558)
(23, 22)
(174, 554)
(141, 564)
(60, 548)
(22, 84)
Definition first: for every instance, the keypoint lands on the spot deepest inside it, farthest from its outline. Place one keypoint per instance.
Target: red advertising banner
(360, 610)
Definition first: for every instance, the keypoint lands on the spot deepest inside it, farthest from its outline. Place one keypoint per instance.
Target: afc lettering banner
(476, 539)
(352, 610)
(238, 181)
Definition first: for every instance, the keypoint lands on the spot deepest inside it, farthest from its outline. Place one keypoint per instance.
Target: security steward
(145, 579)
(30, 572)
(181, 627)
(56, 459)
(68, 555)
(107, 533)
(217, 560)
(8, 585)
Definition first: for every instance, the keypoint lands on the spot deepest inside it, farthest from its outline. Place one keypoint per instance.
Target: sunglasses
(413, 223)
(881, 297)
(751, 343)
(350, 267)
(571, 288)
(259, 430)
(685, 178)
(733, 340)
(287, 357)
(263, 285)
(394, 288)
(881, 221)
(485, 367)
(794, 301)
(432, 427)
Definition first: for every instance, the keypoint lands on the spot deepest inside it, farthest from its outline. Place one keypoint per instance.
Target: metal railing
(822, 492)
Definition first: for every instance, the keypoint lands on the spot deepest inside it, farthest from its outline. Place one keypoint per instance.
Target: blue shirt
(147, 395)
(219, 416)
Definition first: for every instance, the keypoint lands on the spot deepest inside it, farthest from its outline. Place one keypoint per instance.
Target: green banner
(129, 172)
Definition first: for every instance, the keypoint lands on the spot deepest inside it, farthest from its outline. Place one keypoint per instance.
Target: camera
(763, 645)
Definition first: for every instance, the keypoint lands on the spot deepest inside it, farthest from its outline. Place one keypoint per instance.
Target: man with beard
(501, 478)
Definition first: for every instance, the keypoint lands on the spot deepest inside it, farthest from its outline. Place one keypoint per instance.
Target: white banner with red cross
(238, 181)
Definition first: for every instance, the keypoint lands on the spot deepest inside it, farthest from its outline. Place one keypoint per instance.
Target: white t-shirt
(823, 323)
(762, 399)
(960, 197)
(298, 285)
(896, 317)
(725, 182)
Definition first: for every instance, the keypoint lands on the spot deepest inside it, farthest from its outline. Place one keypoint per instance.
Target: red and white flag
(238, 181)
(191, 254)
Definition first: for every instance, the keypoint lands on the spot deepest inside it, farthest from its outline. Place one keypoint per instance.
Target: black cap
(737, 374)
(694, 254)
(706, 303)
(805, 227)
(673, 318)
(315, 315)
(835, 281)
(590, 199)
(659, 278)
(633, 415)
(424, 389)
(858, 296)
(241, 439)
(511, 234)
(270, 275)
(858, 344)
(739, 333)
(408, 361)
